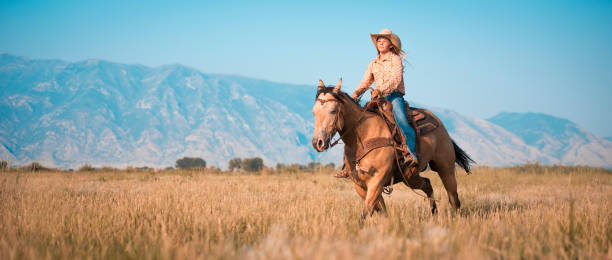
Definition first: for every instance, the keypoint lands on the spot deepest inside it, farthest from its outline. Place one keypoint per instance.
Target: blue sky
(478, 58)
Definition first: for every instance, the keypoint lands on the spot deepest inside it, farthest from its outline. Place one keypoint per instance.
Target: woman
(386, 72)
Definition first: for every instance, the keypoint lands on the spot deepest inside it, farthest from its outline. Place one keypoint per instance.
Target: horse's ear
(321, 85)
(337, 88)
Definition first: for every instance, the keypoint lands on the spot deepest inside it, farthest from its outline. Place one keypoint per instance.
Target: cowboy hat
(395, 40)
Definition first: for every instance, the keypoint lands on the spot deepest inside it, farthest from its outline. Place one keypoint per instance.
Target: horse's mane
(340, 96)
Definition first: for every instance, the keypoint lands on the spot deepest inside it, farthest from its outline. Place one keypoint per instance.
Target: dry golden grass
(527, 212)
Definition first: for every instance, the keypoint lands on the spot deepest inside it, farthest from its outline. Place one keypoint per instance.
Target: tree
(235, 163)
(87, 168)
(190, 162)
(3, 165)
(252, 164)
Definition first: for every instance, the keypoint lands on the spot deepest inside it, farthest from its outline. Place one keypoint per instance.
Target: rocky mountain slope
(67, 114)
(557, 137)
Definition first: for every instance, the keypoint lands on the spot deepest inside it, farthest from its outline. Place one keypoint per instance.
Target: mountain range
(66, 114)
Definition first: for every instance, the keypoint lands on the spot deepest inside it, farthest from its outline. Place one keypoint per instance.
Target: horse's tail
(462, 158)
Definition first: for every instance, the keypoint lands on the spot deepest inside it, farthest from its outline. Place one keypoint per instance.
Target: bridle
(323, 101)
(341, 132)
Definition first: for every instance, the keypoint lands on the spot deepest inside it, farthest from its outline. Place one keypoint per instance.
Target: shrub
(108, 169)
(536, 167)
(311, 167)
(280, 166)
(189, 162)
(252, 164)
(87, 168)
(293, 168)
(235, 164)
(34, 166)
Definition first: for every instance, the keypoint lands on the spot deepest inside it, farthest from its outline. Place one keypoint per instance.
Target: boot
(410, 160)
(342, 173)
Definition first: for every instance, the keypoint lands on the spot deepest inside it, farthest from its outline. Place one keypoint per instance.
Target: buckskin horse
(336, 112)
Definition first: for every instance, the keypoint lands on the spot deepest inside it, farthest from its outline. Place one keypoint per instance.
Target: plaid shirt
(385, 73)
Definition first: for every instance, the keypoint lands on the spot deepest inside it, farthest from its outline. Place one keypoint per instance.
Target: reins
(388, 189)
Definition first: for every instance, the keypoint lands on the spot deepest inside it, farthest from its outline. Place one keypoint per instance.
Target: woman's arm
(367, 80)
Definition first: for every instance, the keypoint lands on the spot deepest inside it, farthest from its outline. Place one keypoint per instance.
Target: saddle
(422, 120)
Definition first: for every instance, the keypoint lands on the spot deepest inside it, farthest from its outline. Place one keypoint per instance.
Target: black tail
(462, 158)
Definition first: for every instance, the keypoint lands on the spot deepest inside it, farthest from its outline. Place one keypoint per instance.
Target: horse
(336, 112)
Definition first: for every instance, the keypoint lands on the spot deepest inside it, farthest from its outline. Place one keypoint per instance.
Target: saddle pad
(423, 120)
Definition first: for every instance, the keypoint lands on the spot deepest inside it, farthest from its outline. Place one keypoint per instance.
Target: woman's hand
(375, 94)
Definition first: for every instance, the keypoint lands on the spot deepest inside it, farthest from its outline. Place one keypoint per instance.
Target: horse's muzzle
(320, 144)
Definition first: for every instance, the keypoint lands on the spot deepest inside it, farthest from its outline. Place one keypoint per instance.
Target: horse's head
(327, 112)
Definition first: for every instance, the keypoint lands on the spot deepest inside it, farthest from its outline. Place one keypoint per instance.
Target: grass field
(521, 212)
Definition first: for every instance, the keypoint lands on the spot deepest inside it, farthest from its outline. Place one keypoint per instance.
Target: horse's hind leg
(447, 175)
(421, 183)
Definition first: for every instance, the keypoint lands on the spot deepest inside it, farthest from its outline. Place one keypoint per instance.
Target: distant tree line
(31, 167)
(311, 166)
(254, 164)
(246, 164)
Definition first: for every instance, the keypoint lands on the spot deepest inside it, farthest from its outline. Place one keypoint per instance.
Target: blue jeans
(397, 101)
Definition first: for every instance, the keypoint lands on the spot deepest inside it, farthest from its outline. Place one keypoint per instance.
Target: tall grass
(506, 213)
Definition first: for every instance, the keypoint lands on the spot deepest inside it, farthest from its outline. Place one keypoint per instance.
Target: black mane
(341, 96)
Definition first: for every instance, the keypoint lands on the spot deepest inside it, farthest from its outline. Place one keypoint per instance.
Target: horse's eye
(334, 111)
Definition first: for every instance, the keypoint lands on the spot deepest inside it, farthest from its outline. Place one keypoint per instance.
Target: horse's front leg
(373, 199)
(374, 202)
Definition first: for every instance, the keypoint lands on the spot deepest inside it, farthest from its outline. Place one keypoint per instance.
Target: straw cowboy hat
(395, 40)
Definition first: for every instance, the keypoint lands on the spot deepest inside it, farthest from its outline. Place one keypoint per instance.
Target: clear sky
(478, 58)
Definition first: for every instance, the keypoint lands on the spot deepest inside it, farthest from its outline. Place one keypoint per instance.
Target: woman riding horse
(386, 72)
(370, 155)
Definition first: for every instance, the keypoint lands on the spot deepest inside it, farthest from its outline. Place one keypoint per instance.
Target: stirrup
(411, 159)
(413, 164)
(410, 164)
(410, 169)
